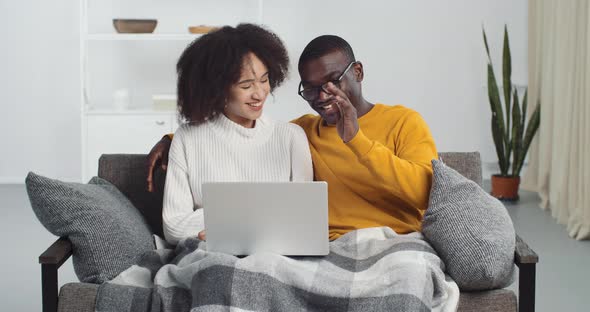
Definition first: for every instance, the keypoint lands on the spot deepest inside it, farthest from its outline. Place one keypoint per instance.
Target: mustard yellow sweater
(381, 177)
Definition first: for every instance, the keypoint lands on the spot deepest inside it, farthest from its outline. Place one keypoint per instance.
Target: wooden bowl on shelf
(201, 29)
(135, 26)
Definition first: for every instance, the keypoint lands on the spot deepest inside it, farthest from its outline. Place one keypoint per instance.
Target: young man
(375, 158)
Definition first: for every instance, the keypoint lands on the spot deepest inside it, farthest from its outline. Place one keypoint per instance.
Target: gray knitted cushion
(471, 231)
(107, 233)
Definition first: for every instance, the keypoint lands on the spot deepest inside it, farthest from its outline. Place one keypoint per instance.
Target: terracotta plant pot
(505, 188)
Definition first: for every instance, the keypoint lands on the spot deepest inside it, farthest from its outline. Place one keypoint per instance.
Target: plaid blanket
(371, 269)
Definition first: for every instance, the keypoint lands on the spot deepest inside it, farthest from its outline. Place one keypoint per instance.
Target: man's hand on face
(158, 155)
(347, 124)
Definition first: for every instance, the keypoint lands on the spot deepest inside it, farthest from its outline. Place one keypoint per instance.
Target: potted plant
(511, 138)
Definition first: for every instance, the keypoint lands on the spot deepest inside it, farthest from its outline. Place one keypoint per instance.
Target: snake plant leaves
(507, 79)
(510, 137)
(517, 126)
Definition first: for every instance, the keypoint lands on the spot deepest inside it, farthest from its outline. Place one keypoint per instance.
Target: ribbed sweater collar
(233, 132)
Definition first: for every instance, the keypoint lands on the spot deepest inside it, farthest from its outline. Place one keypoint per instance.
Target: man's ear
(359, 73)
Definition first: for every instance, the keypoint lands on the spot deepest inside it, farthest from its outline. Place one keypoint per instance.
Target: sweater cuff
(360, 144)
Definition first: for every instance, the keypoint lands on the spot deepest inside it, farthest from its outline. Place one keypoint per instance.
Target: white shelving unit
(129, 37)
(141, 63)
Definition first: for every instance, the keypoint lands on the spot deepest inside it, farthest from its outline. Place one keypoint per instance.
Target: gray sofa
(128, 173)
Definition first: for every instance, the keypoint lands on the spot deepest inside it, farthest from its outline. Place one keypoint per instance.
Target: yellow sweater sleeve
(404, 170)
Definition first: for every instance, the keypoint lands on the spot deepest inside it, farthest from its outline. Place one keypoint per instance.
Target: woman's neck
(244, 122)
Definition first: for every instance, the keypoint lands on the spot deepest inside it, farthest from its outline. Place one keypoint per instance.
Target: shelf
(139, 111)
(110, 61)
(134, 37)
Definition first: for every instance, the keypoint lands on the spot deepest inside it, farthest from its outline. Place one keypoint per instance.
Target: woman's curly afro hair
(211, 64)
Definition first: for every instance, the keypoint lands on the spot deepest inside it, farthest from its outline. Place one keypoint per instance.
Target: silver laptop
(288, 218)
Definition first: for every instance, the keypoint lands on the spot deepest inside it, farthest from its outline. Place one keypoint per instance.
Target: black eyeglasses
(312, 93)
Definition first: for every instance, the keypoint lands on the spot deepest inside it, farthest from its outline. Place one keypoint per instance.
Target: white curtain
(559, 77)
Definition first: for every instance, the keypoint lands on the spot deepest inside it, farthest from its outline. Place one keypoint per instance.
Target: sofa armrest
(524, 254)
(526, 259)
(57, 253)
(50, 261)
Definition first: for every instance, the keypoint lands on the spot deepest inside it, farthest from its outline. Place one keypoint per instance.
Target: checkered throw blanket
(371, 269)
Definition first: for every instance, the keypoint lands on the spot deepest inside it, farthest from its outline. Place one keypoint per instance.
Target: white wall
(427, 55)
(39, 89)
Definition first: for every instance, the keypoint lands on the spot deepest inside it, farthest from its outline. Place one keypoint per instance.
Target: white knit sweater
(223, 151)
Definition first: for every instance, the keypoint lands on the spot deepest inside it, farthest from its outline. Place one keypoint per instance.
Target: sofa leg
(526, 287)
(49, 287)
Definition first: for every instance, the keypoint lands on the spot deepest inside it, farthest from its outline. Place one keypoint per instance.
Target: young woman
(224, 79)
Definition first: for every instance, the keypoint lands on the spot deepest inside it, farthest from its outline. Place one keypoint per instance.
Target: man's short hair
(323, 45)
